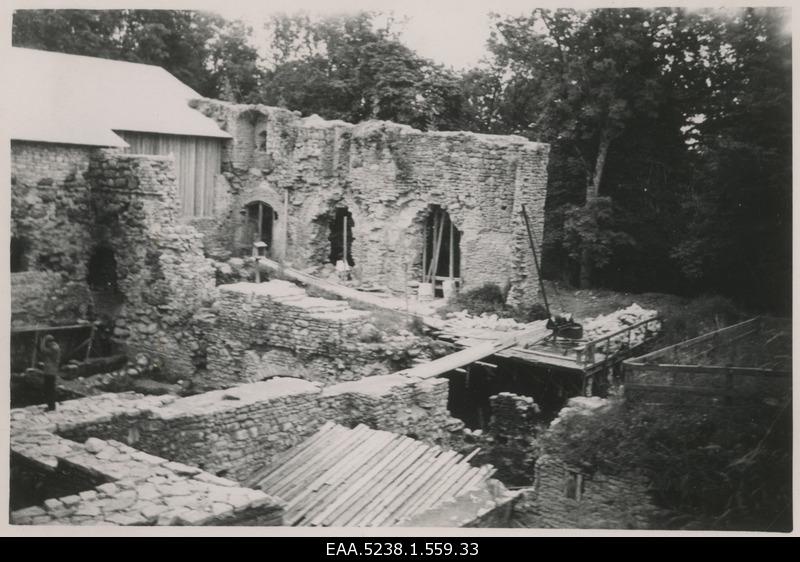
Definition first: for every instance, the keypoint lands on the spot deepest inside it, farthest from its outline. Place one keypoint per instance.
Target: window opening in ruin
(261, 141)
(102, 270)
(19, 254)
(341, 236)
(573, 487)
(260, 220)
(441, 250)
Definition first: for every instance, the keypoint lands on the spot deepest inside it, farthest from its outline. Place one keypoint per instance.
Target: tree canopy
(203, 50)
(670, 130)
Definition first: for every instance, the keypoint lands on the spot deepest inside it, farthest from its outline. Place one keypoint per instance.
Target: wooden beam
(424, 250)
(452, 255)
(710, 370)
(439, 225)
(699, 339)
(344, 238)
(470, 355)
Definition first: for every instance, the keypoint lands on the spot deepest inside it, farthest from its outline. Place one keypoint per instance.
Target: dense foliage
(205, 51)
(711, 468)
(671, 144)
(670, 129)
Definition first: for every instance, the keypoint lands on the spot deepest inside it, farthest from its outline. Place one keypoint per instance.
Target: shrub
(718, 468)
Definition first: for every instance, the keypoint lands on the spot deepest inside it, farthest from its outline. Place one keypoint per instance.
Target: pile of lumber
(342, 477)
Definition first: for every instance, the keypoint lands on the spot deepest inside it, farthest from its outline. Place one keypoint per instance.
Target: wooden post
(452, 256)
(35, 347)
(285, 223)
(344, 237)
(260, 221)
(535, 259)
(437, 250)
(425, 251)
(89, 347)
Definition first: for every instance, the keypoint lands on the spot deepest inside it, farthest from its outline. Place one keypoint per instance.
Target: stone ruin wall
(51, 217)
(604, 501)
(236, 432)
(161, 270)
(67, 201)
(387, 175)
(275, 328)
(70, 201)
(106, 482)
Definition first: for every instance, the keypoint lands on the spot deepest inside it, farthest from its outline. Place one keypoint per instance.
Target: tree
(348, 67)
(201, 49)
(578, 79)
(737, 216)
(681, 118)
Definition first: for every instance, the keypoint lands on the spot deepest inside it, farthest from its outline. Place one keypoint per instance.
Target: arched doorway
(259, 222)
(441, 252)
(341, 236)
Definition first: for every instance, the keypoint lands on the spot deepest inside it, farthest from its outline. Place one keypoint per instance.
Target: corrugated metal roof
(363, 477)
(60, 98)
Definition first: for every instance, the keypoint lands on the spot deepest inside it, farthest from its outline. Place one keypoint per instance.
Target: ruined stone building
(121, 193)
(131, 196)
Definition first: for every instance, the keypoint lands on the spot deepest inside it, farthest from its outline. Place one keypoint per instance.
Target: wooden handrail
(699, 339)
(587, 351)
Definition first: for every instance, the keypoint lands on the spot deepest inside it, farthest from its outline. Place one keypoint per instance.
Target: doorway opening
(341, 236)
(260, 219)
(441, 250)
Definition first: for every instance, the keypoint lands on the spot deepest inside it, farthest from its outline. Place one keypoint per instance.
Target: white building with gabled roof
(88, 101)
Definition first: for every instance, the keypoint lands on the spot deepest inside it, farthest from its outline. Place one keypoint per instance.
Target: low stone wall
(275, 328)
(141, 489)
(238, 430)
(566, 497)
(233, 433)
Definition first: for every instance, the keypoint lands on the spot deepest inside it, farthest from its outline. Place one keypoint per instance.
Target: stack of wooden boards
(342, 477)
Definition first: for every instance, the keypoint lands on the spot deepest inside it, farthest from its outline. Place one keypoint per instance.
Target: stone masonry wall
(69, 200)
(51, 226)
(387, 175)
(47, 297)
(109, 483)
(275, 328)
(236, 432)
(602, 501)
(161, 270)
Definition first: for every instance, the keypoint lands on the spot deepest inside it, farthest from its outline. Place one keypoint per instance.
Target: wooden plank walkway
(475, 353)
(342, 477)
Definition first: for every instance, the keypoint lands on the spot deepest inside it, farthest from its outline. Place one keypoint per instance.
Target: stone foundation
(236, 431)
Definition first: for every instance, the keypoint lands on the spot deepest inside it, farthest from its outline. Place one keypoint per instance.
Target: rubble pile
(579, 406)
(463, 320)
(607, 324)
